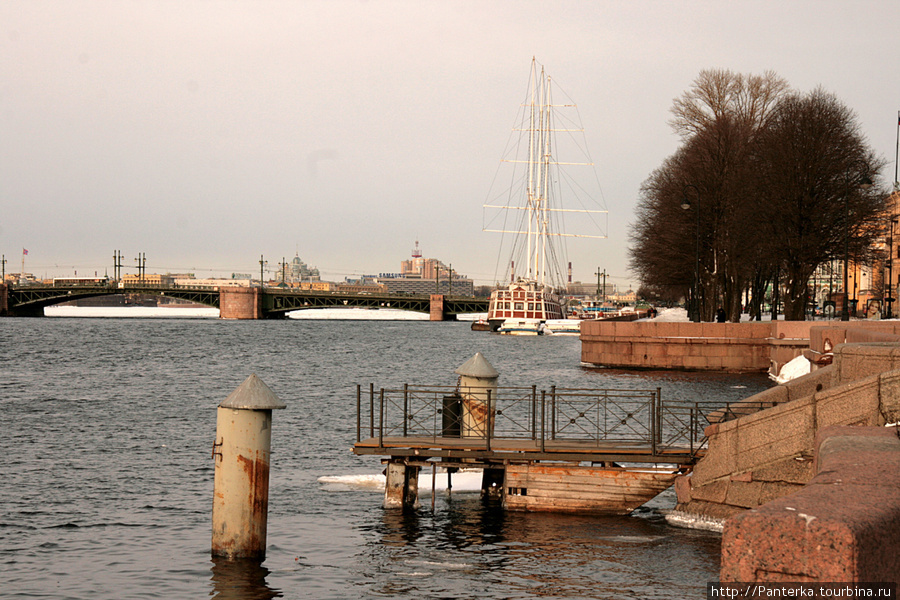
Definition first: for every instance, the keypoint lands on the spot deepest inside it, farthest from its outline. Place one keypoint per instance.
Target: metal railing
(557, 415)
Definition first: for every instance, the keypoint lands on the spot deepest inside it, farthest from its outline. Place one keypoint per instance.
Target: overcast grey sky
(206, 134)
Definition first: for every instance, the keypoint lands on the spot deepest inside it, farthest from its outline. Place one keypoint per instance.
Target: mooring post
(241, 484)
(477, 384)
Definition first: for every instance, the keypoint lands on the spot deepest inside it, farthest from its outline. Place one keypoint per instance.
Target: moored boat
(564, 326)
(522, 327)
(481, 325)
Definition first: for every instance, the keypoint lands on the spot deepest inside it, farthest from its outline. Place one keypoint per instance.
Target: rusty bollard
(478, 386)
(241, 453)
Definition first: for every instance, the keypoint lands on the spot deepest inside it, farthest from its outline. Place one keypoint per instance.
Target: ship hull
(580, 489)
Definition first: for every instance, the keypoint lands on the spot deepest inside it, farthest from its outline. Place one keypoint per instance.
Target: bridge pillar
(4, 299)
(240, 303)
(437, 308)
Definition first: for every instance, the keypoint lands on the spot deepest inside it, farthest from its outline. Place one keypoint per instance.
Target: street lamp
(865, 183)
(686, 205)
(889, 300)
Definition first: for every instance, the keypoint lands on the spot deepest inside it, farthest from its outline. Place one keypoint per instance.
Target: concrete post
(477, 383)
(241, 454)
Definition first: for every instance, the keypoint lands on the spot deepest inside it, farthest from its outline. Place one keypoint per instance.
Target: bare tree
(718, 119)
(809, 164)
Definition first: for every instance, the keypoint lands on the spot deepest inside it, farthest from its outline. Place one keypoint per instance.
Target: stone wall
(732, 347)
(843, 526)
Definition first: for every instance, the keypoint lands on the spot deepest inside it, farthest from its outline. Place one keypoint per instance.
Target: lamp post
(889, 300)
(686, 205)
(864, 182)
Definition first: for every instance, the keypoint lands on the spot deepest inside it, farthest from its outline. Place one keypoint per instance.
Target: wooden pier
(603, 451)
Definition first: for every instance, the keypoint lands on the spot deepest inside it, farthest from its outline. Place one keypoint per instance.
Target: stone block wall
(732, 347)
(843, 526)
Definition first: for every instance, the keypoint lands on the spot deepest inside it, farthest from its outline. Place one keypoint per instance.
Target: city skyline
(207, 135)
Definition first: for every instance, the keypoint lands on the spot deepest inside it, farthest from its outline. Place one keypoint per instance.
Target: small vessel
(563, 326)
(481, 325)
(534, 215)
(522, 327)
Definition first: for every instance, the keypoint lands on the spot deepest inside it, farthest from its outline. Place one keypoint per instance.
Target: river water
(106, 490)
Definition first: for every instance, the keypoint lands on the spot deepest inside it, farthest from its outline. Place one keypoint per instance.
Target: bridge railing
(557, 415)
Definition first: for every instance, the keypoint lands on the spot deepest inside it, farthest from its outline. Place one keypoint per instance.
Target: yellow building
(148, 279)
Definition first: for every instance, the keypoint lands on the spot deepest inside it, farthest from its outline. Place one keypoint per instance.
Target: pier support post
(492, 483)
(241, 487)
(4, 299)
(436, 306)
(401, 488)
(240, 303)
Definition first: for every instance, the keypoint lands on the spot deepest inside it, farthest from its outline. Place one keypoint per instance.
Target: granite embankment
(843, 526)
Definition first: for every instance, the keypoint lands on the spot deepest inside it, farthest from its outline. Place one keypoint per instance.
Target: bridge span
(240, 302)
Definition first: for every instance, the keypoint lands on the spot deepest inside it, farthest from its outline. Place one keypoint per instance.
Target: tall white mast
(532, 149)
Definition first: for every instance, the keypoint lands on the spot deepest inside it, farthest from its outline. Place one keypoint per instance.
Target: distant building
(210, 283)
(151, 279)
(364, 285)
(590, 290)
(296, 271)
(426, 276)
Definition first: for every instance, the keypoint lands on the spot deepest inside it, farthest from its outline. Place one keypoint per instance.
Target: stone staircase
(763, 448)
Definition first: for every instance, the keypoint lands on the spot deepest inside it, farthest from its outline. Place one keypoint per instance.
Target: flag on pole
(24, 252)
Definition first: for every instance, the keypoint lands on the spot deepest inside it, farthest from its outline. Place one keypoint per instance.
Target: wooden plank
(533, 504)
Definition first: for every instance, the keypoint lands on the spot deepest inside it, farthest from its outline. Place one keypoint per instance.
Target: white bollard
(241, 452)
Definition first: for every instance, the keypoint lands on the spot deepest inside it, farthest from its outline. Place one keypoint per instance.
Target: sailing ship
(525, 304)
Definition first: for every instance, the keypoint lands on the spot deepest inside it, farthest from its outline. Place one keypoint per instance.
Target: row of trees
(764, 188)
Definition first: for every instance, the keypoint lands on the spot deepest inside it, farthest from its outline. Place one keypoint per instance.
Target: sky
(206, 134)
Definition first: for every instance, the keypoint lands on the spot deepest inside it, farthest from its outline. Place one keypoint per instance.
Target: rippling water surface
(106, 489)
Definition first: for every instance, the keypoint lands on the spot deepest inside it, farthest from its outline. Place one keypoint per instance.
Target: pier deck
(500, 449)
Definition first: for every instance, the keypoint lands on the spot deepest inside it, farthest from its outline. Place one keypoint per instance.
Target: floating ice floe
(468, 480)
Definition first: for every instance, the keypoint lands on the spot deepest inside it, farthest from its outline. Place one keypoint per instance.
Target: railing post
(552, 412)
(543, 417)
(653, 423)
(381, 421)
(358, 412)
(488, 421)
(371, 410)
(694, 420)
(659, 415)
(533, 412)
(405, 407)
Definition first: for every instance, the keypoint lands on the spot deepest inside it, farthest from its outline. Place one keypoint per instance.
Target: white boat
(522, 327)
(534, 214)
(563, 326)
